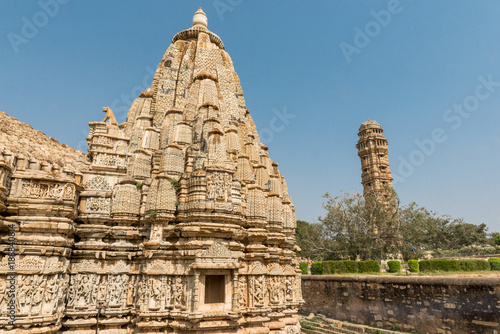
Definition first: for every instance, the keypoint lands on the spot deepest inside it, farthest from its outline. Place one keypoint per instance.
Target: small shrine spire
(200, 19)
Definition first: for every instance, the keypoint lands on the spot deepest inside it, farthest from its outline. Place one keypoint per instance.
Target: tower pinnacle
(200, 19)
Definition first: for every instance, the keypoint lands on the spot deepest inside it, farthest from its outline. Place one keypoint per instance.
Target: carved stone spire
(200, 19)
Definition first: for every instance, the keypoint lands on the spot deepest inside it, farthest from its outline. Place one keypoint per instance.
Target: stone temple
(176, 221)
(373, 151)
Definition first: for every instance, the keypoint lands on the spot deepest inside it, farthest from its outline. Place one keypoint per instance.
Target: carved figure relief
(47, 190)
(102, 140)
(242, 291)
(219, 187)
(24, 294)
(143, 294)
(156, 232)
(178, 293)
(98, 205)
(117, 289)
(37, 294)
(102, 290)
(274, 289)
(288, 289)
(168, 292)
(155, 292)
(258, 290)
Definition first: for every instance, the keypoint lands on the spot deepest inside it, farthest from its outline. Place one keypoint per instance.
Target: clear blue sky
(417, 61)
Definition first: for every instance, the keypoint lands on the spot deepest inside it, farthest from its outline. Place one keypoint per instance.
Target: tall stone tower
(177, 221)
(373, 152)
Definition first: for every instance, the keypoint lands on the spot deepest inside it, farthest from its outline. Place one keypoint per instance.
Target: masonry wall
(418, 304)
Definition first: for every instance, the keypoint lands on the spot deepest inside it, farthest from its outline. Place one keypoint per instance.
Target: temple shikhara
(176, 221)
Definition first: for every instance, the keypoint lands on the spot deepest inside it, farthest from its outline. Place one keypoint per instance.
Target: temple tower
(176, 221)
(373, 151)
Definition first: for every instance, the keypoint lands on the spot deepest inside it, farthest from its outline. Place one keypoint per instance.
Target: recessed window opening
(214, 289)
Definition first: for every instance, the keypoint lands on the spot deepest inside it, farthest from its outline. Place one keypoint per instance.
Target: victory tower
(373, 152)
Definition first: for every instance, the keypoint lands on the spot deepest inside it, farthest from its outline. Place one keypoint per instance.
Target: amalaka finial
(200, 19)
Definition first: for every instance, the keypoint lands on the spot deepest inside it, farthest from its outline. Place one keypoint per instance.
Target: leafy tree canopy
(355, 227)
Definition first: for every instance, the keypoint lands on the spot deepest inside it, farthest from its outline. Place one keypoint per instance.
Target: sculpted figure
(168, 291)
(258, 293)
(242, 298)
(102, 291)
(156, 232)
(49, 296)
(116, 290)
(110, 116)
(288, 289)
(38, 290)
(274, 289)
(143, 294)
(155, 294)
(24, 295)
(178, 292)
(84, 292)
(71, 292)
(130, 291)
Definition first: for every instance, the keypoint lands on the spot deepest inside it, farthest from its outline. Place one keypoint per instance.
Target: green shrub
(317, 268)
(439, 265)
(351, 267)
(334, 267)
(453, 265)
(474, 265)
(303, 266)
(413, 265)
(494, 263)
(394, 266)
(370, 266)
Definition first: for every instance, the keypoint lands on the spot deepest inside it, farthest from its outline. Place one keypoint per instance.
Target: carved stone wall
(176, 221)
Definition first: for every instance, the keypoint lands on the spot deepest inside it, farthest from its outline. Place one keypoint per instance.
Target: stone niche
(176, 221)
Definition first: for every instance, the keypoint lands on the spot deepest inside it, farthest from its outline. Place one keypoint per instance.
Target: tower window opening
(214, 289)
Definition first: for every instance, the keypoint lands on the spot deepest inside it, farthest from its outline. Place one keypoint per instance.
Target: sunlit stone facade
(176, 221)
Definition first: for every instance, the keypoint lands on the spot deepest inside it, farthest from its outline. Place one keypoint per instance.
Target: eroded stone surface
(178, 221)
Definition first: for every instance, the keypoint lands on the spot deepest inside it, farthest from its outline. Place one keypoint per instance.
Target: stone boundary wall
(419, 304)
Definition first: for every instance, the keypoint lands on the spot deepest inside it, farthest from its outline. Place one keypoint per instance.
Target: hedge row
(454, 265)
(303, 267)
(494, 263)
(352, 267)
(344, 267)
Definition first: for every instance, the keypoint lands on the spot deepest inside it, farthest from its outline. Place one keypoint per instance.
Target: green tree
(379, 228)
(359, 227)
(497, 239)
(310, 239)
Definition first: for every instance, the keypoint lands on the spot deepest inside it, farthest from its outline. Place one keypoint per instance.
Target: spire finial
(200, 19)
